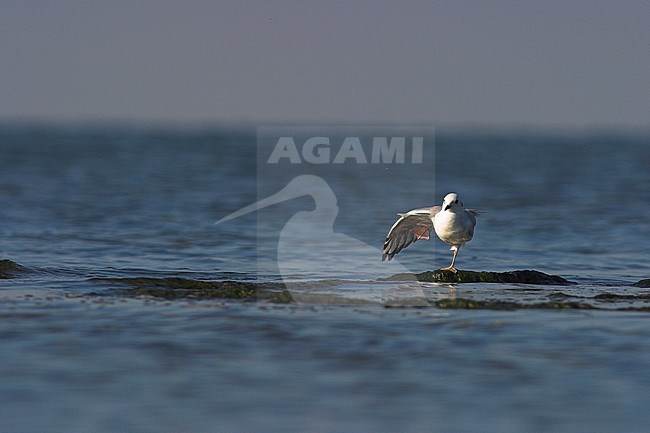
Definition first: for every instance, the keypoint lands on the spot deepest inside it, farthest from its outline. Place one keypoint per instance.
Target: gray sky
(551, 63)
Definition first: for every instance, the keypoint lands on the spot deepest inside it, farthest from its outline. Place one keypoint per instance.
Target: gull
(452, 223)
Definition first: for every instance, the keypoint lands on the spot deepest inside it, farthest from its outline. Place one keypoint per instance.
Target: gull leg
(453, 259)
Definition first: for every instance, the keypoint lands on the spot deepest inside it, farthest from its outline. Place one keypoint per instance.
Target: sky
(510, 63)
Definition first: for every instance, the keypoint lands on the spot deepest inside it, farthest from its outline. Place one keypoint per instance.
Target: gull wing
(410, 227)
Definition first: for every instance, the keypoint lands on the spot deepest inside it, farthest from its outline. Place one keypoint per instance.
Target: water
(86, 209)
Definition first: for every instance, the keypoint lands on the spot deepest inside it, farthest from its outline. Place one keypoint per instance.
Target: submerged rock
(8, 269)
(518, 277)
(183, 288)
(469, 304)
(621, 297)
(642, 283)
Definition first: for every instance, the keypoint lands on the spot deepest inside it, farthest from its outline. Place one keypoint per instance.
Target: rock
(8, 269)
(518, 277)
(183, 288)
(642, 283)
(614, 297)
(468, 304)
(401, 277)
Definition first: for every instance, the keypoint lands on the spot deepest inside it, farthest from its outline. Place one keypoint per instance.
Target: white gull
(452, 223)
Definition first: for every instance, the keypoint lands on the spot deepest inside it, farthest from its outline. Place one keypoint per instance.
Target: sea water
(85, 210)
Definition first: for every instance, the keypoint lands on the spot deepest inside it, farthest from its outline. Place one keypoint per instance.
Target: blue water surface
(83, 206)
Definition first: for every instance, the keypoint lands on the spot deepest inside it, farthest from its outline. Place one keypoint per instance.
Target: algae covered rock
(470, 304)
(9, 269)
(513, 277)
(184, 288)
(642, 283)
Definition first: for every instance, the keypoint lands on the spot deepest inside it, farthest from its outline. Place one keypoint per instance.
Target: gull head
(451, 202)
